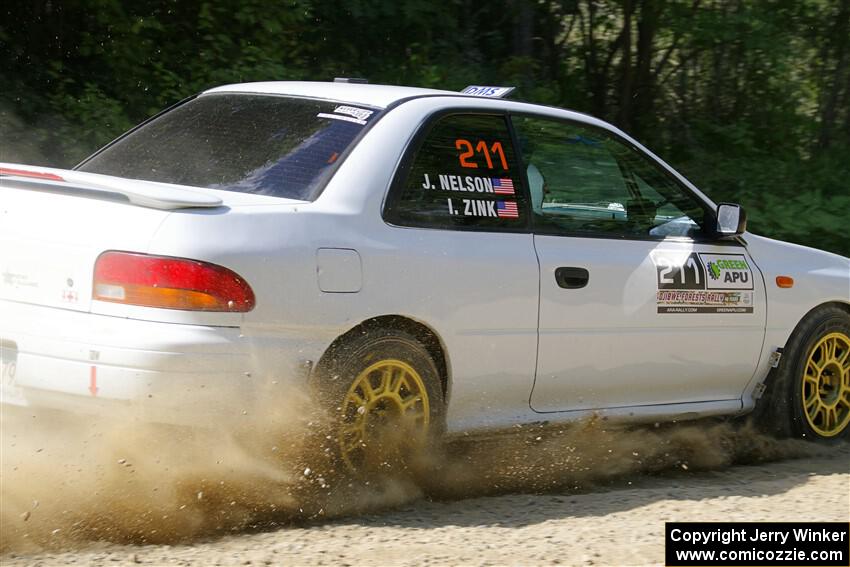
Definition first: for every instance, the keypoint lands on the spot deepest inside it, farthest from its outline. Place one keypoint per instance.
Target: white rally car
(455, 261)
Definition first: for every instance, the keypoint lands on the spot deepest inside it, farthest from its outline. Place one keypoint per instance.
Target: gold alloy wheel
(388, 397)
(826, 385)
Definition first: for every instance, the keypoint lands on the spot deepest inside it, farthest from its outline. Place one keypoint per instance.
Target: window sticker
(348, 114)
(703, 283)
(503, 186)
(482, 208)
(449, 182)
(507, 210)
(464, 176)
(469, 155)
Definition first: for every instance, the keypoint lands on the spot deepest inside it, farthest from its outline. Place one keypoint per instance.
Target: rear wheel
(383, 392)
(810, 396)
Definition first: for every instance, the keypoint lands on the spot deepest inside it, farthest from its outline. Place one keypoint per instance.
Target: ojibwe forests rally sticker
(703, 283)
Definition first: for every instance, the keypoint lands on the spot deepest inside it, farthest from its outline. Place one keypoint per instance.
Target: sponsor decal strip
(699, 309)
(727, 271)
(703, 283)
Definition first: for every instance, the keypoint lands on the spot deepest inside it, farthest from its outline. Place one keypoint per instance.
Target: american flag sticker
(502, 186)
(507, 210)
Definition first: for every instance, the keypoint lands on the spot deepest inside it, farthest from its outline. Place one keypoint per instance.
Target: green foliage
(801, 201)
(750, 99)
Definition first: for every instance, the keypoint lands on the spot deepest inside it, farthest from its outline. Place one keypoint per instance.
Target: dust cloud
(585, 455)
(67, 483)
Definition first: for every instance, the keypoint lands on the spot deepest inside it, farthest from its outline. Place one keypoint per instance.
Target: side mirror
(731, 219)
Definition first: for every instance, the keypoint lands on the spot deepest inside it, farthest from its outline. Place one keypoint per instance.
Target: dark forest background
(749, 99)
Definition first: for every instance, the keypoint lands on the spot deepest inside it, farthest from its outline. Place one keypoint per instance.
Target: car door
(639, 303)
(458, 255)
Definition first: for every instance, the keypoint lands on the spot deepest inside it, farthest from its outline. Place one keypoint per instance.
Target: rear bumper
(88, 363)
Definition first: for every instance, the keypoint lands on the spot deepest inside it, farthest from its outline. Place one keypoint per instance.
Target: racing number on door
(703, 283)
(686, 275)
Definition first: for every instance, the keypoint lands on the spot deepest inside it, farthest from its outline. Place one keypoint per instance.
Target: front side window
(584, 181)
(263, 144)
(464, 175)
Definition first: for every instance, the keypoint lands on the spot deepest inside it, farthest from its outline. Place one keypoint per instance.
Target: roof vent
(353, 80)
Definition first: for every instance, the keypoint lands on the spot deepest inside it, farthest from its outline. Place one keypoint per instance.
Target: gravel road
(593, 518)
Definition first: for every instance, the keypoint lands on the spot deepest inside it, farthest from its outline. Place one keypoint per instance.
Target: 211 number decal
(489, 152)
(679, 273)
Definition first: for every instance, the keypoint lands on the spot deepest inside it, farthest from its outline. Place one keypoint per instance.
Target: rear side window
(263, 144)
(464, 175)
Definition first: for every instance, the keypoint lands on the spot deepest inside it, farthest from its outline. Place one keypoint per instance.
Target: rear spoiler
(142, 193)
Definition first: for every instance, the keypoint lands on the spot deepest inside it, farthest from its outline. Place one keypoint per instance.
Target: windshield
(262, 144)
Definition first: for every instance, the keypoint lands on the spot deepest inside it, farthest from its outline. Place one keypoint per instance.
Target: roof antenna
(353, 80)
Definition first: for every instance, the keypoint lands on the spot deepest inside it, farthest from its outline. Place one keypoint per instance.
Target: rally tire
(809, 395)
(379, 383)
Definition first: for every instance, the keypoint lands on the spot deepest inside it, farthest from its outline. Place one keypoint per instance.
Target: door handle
(571, 278)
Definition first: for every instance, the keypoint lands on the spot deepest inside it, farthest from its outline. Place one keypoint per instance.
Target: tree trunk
(834, 82)
(524, 29)
(645, 87)
(624, 113)
(596, 79)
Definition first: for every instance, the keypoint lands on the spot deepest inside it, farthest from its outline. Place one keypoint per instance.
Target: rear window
(262, 144)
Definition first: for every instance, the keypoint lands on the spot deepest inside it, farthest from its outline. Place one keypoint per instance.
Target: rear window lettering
(463, 176)
(349, 114)
(261, 144)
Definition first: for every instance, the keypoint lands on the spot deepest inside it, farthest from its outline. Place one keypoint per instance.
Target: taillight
(170, 283)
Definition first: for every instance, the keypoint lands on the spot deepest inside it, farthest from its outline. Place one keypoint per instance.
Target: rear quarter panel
(452, 282)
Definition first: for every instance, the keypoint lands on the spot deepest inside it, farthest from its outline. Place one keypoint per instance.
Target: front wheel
(825, 385)
(383, 391)
(811, 393)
